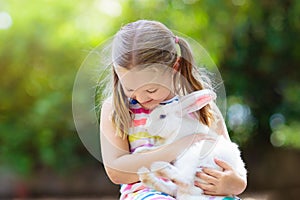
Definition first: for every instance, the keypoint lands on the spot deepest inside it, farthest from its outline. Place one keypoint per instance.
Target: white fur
(172, 121)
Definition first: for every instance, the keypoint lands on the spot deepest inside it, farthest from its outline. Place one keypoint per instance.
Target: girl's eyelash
(152, 91)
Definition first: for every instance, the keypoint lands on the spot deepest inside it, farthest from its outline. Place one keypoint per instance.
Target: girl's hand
(221, 183)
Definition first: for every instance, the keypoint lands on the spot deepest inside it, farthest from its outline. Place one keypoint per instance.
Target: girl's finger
(205, 187)
(223, 164)
(212, 172)
(212, 193)
(207, 178)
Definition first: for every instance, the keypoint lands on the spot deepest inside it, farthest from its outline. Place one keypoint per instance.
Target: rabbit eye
(162, 116)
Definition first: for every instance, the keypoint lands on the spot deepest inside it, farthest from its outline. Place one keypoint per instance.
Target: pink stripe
(128, 187)
(140, 110)
(138, 122)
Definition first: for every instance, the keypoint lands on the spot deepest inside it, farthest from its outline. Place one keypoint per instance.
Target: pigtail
(190, 83)
(121, 117)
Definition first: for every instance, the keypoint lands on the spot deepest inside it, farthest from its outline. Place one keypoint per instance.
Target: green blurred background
(43, 43)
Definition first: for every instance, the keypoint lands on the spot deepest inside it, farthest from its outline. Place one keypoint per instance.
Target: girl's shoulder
(218, 123)
(107, 106)
(108, 101)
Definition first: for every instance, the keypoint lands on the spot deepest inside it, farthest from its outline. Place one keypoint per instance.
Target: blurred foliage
(261, 65)
(254, 43)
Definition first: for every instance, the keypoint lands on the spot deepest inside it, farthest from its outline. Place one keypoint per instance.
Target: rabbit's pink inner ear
(199, 103)
(196, 100)
(203, 100)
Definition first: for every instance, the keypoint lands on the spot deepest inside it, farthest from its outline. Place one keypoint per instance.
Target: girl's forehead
(138, 77)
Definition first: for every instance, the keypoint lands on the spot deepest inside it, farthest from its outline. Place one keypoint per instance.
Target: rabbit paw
(159, 165)
(170, 172)
(145, 175)
(143, 170)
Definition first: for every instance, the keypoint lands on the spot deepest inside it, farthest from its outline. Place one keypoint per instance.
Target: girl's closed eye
(152, 90)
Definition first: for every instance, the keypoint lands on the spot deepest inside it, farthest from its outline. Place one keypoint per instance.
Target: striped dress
(138, 138)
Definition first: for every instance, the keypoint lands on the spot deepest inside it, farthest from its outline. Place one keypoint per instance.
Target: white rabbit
(175, 120)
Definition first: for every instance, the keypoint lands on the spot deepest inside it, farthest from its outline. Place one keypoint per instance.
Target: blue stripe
(165, 103)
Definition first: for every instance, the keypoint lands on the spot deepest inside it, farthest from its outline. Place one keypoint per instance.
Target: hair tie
(176, 39)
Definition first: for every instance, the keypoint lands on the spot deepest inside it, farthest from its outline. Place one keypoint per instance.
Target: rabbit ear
(196, 100)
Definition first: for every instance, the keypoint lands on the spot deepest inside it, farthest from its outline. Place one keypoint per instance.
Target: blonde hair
(146, 42)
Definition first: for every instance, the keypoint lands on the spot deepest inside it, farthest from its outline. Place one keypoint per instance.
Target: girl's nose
(141, 98)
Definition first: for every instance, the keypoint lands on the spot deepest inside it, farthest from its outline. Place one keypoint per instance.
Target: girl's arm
(120, 165)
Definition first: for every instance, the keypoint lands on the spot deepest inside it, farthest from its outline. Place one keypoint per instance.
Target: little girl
(147, 72)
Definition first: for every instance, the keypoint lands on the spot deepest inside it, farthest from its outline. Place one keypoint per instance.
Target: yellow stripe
(141, 135)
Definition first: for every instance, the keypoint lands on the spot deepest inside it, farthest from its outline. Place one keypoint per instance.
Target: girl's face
(149, 86)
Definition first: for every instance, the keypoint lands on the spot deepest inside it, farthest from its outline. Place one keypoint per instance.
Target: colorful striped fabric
(142, 193)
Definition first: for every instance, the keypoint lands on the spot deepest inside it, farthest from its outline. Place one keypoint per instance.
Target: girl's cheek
(157, 95)
(161, 95)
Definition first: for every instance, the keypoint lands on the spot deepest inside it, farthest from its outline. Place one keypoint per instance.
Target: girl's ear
(196, 100)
